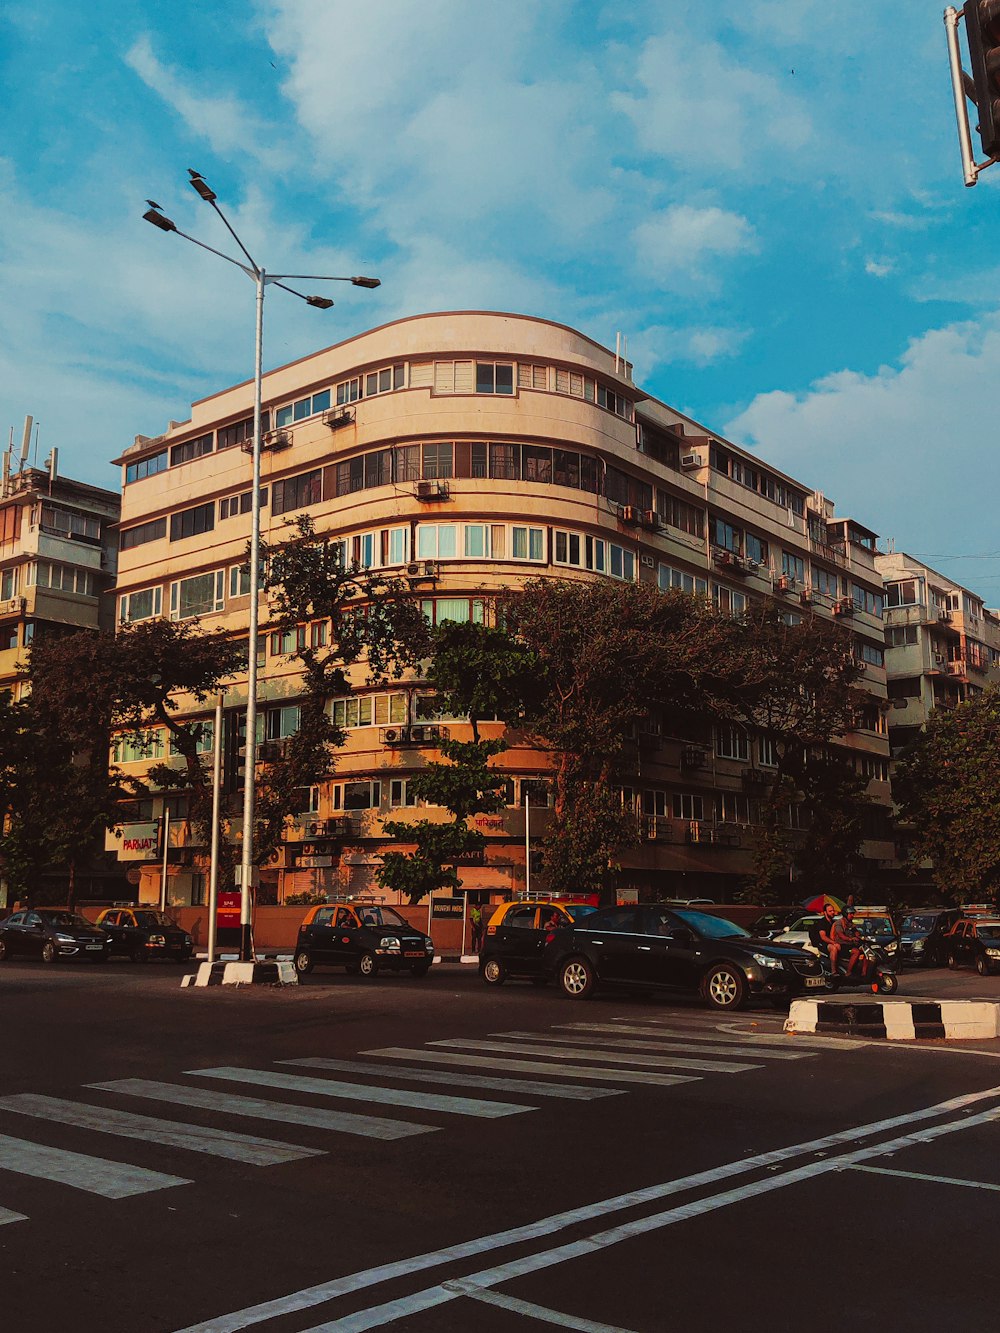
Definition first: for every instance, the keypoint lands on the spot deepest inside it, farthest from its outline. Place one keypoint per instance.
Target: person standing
(476, 917)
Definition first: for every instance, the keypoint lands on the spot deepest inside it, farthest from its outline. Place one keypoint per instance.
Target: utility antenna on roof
(25, 442)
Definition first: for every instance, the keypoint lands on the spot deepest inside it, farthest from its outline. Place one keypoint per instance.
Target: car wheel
(137, 954)
(577, 979)
(952, 960)
(888, 983)
(368, 964)
(49, 952)
(724, 987)
(420, 969)
(982, 967)
(302, 962)
(493, 972)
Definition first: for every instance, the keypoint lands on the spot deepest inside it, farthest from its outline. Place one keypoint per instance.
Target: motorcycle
(872, 972)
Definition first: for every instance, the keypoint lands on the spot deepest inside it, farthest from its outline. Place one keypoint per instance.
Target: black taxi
(142, 933)
(518, 932)
(364, 938)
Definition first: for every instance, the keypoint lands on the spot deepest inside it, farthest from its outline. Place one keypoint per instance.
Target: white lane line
(726, 1032)
(333, 1288)
(7, 1215)
(328, 1087)
(596, 1053)
(657, 1043)
(194, 1138)
(111, 1180)
(598, 1242)
(342, 1122)
(603, 1072)
(530, 1310)
(524, 1086)
(934, 1180)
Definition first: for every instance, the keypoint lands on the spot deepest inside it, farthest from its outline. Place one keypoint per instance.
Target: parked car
(364, 938)
(657, 947)
(974, 942)
(922, 933)
(517, 933)
(143, 933)
(51, 933)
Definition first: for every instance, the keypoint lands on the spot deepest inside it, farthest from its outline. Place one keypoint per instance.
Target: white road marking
(195, 1138)
(330, 1290)
(6, 1215)
(604, 1073)
(599, 1242)
(934, 1180)
(111, 1180)
(453, 1079)
(600, 1056)
(530, 1310)
(655, 1042)
(342, 1122)
(327, 1087)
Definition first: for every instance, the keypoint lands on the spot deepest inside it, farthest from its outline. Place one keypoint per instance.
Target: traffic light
(234, 751)
(982, 30)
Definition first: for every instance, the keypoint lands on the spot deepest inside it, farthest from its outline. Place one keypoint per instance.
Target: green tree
(946, 786)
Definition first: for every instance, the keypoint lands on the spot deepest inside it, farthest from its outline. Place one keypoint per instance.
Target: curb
(259, 973)
(897, 1020)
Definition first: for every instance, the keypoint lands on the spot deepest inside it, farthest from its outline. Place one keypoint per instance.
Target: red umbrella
(818, 903)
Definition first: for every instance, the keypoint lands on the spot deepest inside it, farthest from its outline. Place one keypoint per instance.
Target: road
(434, 1155)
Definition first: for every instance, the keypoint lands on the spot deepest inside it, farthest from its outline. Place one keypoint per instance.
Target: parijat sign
(139, 842)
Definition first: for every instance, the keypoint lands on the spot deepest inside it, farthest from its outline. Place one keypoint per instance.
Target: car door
(111, 924)
(616, 942)
(13, 933)
(673, 950)
(956, 944)
(518, 942)
(345, 944)
(33, 935)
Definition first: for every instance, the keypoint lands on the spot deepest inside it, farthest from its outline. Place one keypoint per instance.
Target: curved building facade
(467, 452)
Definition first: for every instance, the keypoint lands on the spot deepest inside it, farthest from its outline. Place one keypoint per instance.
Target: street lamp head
(320, 302)
(367, 282)
(158, 220)
(201, 186)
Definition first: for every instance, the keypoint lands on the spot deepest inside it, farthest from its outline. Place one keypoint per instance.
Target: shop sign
(139, 842)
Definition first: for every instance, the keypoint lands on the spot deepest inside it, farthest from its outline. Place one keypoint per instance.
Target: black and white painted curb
(897, 1020)
(263, 972)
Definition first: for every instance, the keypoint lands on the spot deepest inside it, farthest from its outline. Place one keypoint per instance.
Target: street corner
(897, 1020)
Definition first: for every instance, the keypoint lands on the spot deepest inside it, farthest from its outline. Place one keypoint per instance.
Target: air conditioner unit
(844, 607)
(413, 568)
(805, 596)
(692, 756)
(431, 490)
(690, 460)
(276, 439)
(649, 518)
(15, 605)
(395, 735)
(940, 661)
(335, 417)
(628, 514)
(430, 569)
(786, 583)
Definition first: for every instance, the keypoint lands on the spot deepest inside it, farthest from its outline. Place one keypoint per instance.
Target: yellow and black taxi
(142, 933)
(518, 931)
(364, 938)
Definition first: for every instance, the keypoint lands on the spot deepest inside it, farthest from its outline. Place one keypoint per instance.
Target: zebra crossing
(500, 1075)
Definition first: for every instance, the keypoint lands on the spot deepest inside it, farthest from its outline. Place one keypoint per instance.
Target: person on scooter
(820, 935)
(845, 937)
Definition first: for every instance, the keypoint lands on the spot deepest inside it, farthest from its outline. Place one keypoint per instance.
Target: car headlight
(993, 953)
(65, 939)
(763, 960)
(891, 948)
(388, 942)
(157, 939)
(918, 945)
(187, 939)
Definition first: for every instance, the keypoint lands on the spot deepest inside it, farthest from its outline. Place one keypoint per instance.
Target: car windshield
(382, 916)
(577, 910)
(990, 932)
(150, 920)
(875, 925)
(920, 921)
(712, 927)
(66, 920)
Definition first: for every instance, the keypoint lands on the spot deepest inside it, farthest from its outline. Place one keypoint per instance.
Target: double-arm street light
(262, 280)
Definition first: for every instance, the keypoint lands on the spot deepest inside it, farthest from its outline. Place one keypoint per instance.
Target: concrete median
(897, 1020)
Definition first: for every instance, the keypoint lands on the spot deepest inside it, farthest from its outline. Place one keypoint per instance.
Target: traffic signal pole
(982, 87)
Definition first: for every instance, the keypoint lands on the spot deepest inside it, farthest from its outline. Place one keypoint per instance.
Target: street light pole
(261, 279)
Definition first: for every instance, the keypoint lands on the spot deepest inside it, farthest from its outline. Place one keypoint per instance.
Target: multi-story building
(942, 644)
(468, 452)
(58, 559)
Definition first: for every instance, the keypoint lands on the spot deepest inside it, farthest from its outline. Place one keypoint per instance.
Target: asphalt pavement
(438, 1155)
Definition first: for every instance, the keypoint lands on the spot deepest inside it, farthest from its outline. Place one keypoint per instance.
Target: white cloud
(880, 268)
(902, 449)
(661, 345)
(682, 238)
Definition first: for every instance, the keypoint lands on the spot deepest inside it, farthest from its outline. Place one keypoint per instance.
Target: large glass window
(146, 467)
(436, 541)
(141, 605)
(302, 408)
(527, 543)
(494, 377)
(197, 596)
(143, 533)
(693, 584)
(192, 522)
(297, 492)
(184, 453)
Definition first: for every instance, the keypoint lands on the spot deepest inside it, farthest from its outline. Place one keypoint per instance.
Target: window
(679, 514)
(366, 710)
(143, 533)
(568, 548)
(362, 795)
(192, 522)
(281, 722)
(732, 743)
(505, 462)
(184, 453)
(729, 600)
(825, 582)
(693, 584)
(285, 642)
(461, 610)
(727, 536)
(905, 593)
(204, 741)
(621, 562)
(793, 566)
(732, 807)
(614, 402)
(233, 505)
(382, 381)
(146, 467)
(687, 805)
(142, 605)
(767, 752)
(438, 460)
(197, 596)
(400, 794)
(304, 407)
(319, 634)
(494, 377)
(436, 541)
(866, 600)
(297, 492)
(136, 749)
(757, 549)
(527, 543)
(69, 523)
(870, 653)
(349, 391)
(64, 578)
(240, 431)
(536, 462)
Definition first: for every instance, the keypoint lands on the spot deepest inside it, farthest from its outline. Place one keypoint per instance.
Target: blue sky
(765, 198)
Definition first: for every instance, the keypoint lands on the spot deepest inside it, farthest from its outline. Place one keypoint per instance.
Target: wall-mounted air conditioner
(690, 460)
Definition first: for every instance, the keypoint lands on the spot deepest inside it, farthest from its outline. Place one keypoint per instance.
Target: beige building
(942, 644)
(467, 452)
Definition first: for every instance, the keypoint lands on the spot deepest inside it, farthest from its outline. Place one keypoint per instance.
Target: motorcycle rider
(845, 936)
(821, 936)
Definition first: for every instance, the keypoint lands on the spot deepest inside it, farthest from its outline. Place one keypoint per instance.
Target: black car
(142, 933)
(517, 934)
(658, 947)
(975, 942)
(51, 933)
(922, 933)
(364, 938)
